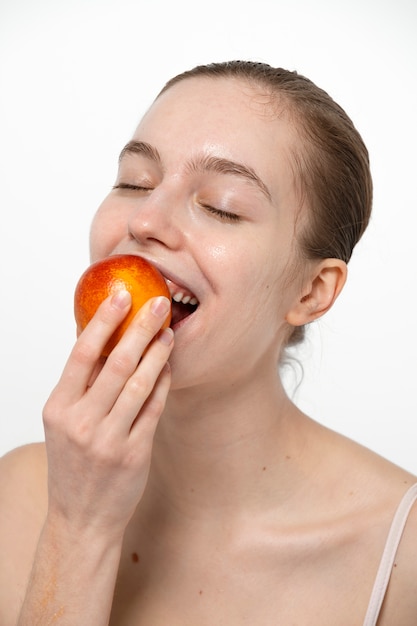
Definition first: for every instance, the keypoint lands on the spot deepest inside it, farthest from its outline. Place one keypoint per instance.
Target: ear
(319, 293)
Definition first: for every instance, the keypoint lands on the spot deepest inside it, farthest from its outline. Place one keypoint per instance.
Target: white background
(74, 79)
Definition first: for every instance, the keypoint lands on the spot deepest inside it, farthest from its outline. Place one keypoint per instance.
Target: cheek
(245, 274)
(218, 253)
(108, 228)
(259, 285)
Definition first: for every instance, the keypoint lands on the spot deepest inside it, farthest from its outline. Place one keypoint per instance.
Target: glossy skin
(239, 268)
(197, 491)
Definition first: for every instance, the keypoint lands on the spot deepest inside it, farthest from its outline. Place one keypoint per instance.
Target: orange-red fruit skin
(103, 278)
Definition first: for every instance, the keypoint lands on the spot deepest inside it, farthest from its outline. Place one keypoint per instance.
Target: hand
(101, 417)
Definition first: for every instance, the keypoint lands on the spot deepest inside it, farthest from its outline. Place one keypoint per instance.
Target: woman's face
(205, 191)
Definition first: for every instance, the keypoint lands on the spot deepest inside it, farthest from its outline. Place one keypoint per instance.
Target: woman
(185, 487)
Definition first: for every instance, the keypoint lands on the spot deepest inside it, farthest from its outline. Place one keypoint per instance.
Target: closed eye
(131, 187)
(224, 215)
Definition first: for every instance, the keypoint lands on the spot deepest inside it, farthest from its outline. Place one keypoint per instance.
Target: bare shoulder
(384, 490)
(23, 501)
(23, 473)
(400, 604)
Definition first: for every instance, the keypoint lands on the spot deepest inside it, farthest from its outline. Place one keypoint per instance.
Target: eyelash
(132, 187)
(224, 215)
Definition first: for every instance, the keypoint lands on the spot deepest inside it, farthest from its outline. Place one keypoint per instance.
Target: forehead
(225, 117)
(199, 102)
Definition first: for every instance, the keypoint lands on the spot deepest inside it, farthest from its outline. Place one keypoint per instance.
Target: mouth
(184, 302)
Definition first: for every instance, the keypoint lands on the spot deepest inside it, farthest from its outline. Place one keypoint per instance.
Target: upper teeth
(180, 297)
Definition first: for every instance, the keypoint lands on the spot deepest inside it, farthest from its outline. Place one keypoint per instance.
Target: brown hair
(333, 168)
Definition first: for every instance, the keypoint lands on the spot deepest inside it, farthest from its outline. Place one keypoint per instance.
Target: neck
(225, 455)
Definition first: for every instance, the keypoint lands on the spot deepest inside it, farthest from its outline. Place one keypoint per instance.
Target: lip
(175, 285)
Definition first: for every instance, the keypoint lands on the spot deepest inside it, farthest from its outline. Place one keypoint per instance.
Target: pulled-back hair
(332, 166)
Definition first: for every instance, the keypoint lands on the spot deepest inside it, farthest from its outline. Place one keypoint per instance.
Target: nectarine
(122, 271)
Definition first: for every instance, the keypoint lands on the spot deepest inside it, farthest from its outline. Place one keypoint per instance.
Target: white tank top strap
(388, 556)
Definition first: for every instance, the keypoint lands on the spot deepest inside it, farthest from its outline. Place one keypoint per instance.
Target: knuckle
(81, 433)
(154, 407)
(85, 353)
(105, 453)
(49, 414)
(139, 386)
(121, 364)
(52, 412)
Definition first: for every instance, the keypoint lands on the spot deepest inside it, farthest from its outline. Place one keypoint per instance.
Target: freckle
(200, 592)
(135, 557)
(288, 457)
(263, 469)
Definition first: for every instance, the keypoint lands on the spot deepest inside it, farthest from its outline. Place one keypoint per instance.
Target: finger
(140, 387)
(143, 425)
(124, 358)
(146, 324)
(96, 371)
(154, 405)
(81, 367)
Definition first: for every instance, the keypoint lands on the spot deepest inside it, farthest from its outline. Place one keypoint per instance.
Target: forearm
(99, 426)
(72, 580)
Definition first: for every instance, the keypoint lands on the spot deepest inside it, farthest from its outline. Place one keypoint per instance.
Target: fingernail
(121, 299)
(160, 306)
(166, 336)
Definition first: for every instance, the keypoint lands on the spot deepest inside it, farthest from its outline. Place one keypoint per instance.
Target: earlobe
(320, 292)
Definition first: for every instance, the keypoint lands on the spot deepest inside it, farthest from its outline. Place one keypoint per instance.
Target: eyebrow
(201, 164)
(226, 166)
(140, 147)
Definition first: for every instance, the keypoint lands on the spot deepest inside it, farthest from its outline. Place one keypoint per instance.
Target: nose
(157, 219)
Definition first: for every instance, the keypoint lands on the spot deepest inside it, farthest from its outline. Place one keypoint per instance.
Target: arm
(72, 580)
(99, 427)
